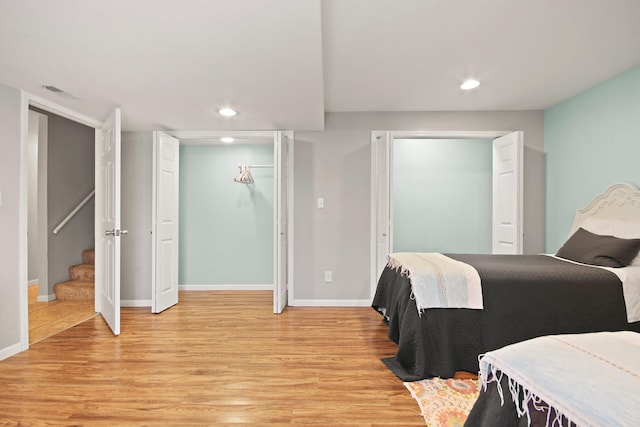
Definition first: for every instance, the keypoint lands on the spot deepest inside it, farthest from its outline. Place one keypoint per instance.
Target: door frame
(27, 100)
(387, 137)
(184, 136)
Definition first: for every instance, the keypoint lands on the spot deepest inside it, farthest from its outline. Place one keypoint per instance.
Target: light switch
(320, 203)
(328, 276)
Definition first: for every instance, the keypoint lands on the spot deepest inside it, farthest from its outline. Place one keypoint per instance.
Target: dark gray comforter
(525, 296)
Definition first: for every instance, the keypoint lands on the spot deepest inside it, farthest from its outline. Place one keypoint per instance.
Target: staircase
(81, 283)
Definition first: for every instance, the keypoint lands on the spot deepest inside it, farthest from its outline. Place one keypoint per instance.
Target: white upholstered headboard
(619, 204)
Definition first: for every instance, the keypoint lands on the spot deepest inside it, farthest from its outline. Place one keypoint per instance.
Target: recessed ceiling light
(469, 84)
(226, 139)
(227, 112)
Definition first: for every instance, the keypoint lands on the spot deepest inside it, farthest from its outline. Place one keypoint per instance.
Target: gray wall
(32, 198)
(335, 164)
(10, 303)
(70, 177)
(136, 211)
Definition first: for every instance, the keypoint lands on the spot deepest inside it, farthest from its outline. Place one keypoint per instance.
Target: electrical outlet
(328, 277)
(320, 203)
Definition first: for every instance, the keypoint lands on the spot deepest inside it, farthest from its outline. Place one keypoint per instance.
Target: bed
(523, 296)
(588, 379)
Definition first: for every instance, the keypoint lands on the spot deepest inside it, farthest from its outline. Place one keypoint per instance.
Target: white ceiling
(282, 63)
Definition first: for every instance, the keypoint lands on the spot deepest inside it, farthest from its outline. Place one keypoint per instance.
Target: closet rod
(254, 166)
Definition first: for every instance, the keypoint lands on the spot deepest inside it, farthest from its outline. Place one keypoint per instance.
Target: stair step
(82, 272)
(75, 290)
(89, 256)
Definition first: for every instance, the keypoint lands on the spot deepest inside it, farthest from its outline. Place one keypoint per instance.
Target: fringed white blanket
(438, 281)
(587, 379)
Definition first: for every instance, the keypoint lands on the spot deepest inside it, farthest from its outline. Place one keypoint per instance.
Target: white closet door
(381, 209)
(109, 234)
(165, 222)
(507, 194)
(282, 145)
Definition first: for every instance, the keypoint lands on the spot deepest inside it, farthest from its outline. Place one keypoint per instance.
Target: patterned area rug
(444, 402)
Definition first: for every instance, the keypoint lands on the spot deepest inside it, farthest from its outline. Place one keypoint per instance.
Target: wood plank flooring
(49, 318)
(217, 358)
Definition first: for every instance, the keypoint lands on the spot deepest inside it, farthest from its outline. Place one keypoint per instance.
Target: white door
(164, 237)
(282, 145)
(507, 194)
(109, 234)
(381, 210)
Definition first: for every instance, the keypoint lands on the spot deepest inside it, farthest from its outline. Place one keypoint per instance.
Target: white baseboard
(330, 303)
(225, 287)
(46, 298)
(135, 303)
(12, 350)
(33, 282)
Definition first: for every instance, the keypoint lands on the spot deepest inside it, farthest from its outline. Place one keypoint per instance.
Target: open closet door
(282, 144)
(109, 234)
(164, 237)
(507, 194)
(381, 209)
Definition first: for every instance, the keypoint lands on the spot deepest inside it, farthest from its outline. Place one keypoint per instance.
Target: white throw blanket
(438, 281)
(588, 379)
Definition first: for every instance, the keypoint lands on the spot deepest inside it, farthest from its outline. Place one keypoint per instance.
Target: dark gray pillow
(595, 249)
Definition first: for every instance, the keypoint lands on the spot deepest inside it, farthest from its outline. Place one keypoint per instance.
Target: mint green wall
(226, 228)
(591, 141)
(442, 195)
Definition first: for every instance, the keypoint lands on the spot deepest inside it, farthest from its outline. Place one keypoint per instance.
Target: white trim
(65, 112)
(216, 134)
(135, 303)
(290, 217)
(46, 298)
(12, 350)
(225, 287)
(373, 208)
(447, 134)
(23, 245)
(97, 219)
(331, 303)
(32, 282)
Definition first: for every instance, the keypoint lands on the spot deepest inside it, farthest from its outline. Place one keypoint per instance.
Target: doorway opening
(476, 175)
(59, 167)
(210, 228)
(226, 215)
(247, 189)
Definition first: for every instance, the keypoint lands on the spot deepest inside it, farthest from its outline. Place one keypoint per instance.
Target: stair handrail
(74, 211)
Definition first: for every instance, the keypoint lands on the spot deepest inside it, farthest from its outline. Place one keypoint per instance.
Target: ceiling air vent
(60, 92)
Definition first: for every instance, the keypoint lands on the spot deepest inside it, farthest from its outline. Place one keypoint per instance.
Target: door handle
(115, 233)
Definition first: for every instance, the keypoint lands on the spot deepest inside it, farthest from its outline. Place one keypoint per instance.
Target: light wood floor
(49, 318)
(217, 358)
